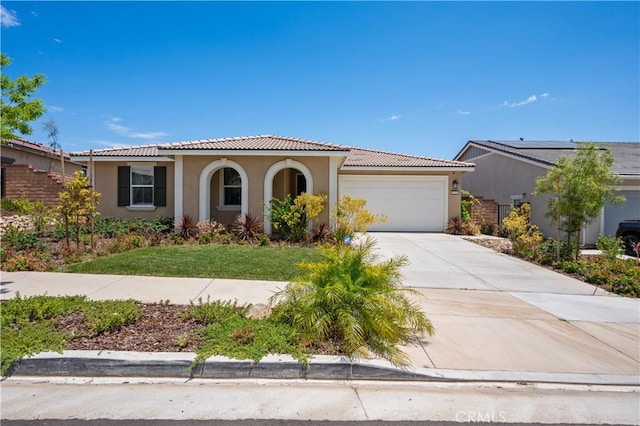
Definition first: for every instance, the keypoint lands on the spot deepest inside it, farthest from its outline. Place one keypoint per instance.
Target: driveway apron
(495, 312)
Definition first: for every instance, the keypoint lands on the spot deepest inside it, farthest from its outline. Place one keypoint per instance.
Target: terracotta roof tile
(259, 142)
(356, 157)
(125, 151)
(370, 158)
(31, 146)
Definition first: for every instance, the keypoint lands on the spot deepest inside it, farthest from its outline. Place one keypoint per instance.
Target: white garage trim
(426, 209)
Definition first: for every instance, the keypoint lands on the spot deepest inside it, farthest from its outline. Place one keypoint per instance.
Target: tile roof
(32, 147)
(259, 142)
(625, 154)
(125, 151)
(356, 157)
(359, 157)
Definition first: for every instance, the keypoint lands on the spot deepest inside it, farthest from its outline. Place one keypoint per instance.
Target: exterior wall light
(455, 184)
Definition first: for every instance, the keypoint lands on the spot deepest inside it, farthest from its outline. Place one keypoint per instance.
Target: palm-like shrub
(188, 228)
(352, 300)
(247, 227)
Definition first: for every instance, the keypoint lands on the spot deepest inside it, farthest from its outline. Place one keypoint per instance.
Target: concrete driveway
(507, 314)
(447, 261)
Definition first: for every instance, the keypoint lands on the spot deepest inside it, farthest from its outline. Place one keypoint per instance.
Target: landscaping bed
(160, 328)
(610, 271)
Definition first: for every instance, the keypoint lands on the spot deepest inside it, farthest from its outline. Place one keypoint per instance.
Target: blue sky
(414, 77)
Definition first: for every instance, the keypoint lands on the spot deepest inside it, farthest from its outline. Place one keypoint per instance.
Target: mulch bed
(161, 328)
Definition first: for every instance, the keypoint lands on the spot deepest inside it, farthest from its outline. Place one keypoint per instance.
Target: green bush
(108, 315)
(621, 276)
(27, 326)
(290, 217)
(611, 247)
(214, 311)
(230, 333)
(19, 206)
(30, 325)
(21, 240)
(525, 236)
(487, 228)
(27, 260)
(351, 299)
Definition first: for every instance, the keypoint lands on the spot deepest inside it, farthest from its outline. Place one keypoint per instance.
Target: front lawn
(204, 261)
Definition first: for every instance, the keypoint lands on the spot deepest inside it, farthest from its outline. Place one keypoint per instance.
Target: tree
(17, 109)
(77, 205)
(51, 128)
(580, 186)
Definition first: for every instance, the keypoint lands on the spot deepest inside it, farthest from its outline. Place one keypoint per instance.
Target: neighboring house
(221, 178)
(33, 169)
(506, 171)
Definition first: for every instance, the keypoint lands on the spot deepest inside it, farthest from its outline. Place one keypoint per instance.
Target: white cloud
(54, 108)
(108, 144)
(34, 14)
(8, 18)
(57, 40)
(461, 112)
(394, 117)
(147, 135)
(529, 100)
(113, 125)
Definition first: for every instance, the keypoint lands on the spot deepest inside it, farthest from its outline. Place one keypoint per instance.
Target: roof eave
(254, 152)
(107, 158)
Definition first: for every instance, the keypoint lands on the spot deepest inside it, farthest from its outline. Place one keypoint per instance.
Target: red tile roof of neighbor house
(356, 157)
(34, 147)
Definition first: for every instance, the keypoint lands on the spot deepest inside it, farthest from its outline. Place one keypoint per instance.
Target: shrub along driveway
(503, 313)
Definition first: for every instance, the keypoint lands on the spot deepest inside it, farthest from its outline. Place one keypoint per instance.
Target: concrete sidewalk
(481, 335)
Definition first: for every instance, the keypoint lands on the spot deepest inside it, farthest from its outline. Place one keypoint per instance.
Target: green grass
(204, 261)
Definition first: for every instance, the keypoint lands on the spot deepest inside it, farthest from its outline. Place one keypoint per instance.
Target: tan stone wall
(36, 185)
(485, 210)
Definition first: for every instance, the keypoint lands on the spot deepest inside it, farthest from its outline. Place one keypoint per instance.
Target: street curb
(176, 365)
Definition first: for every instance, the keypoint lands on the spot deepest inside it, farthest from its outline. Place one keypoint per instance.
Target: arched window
(231, 183)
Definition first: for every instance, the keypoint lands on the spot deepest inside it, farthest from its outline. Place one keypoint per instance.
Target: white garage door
(411, 203)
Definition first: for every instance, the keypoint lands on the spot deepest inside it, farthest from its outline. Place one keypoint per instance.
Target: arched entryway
(285, 177)
(233, 179)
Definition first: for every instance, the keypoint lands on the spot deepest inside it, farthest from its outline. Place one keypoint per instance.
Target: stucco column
(177, 187)
(333, 187)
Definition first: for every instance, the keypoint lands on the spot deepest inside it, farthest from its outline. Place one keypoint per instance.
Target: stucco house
(506, 172)
(221, 178)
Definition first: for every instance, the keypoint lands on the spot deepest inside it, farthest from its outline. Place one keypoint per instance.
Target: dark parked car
(629, 231)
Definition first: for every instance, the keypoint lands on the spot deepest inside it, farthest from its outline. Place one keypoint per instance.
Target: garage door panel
(411, 204)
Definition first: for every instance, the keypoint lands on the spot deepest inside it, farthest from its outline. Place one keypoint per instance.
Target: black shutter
(160, 186)
(124, 180)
